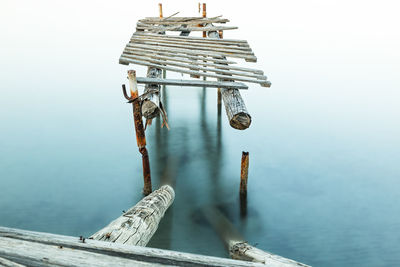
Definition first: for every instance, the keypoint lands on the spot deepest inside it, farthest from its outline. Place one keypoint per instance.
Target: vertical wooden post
(140, 134)
(244, 173)
(204, 15)
(160, 10)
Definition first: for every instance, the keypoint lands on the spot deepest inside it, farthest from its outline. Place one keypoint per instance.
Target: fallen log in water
(235, 108)
(240, 249)
(139, 223)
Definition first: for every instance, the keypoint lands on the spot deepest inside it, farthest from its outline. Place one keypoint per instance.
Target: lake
(324, 141)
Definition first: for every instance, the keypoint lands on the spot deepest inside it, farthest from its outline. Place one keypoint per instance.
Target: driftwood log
(240, 249)
(139, 223)
(235, 108)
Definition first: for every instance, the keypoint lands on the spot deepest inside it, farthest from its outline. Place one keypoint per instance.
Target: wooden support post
(139, 223)
(204, 16)
(235, 108)
(160, 10)
(244, 170)
(140, 134)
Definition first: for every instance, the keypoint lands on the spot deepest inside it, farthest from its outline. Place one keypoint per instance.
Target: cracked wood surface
(139, 223)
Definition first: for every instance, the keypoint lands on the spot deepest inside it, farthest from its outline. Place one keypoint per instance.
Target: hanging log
(237, 247)
(139, 223)
(235, 108)
(151, 103)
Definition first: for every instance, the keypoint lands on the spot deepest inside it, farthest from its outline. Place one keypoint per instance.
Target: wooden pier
(122, 242)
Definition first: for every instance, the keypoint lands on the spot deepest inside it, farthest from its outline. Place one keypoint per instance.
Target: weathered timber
(204, 74)
(174, 55)
(249, 58)
(237, 247)
(244, 172)
(52, 246)
(153, 28)
(192, 43)
(235, 108)
(230, 50)
(193, 66)
(139, 130)
(151, 102)
(193, 38)
(139, 223)
(7, 263)
(176, 58)
(200, 20)
(191, 83)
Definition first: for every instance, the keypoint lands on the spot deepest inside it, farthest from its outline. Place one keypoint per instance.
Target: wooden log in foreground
(235, 108)
(8, 263)
(240, 249)
(44, 249)
(139, 223)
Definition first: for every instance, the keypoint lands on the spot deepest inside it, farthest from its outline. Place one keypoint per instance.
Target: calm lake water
(324, 141)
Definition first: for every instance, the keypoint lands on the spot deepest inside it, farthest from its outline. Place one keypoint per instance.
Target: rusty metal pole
(204, 15)
(160, 10)
(244, 170)
(221, 35)
(140, 134)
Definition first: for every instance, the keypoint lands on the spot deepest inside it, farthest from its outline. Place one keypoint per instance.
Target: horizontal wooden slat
(204, 47)
(191, 51)
(196, 61)
(181, 28)
(197, 73)
(193, 66)
(194, 38)
(192, 83)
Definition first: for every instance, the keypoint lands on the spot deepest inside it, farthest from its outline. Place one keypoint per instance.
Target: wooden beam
(193, 66)
(193, 43)
(249, 58)
(175, 57)
(192, 83)
(179, 55)
(36, 256)
(139, 223)
(7, 263)
(240, 249)
(200, 39)
(181, 28)
(151, 102)
(231, 51)
(199, 73)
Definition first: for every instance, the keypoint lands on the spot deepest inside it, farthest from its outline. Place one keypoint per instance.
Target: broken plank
(192, 83)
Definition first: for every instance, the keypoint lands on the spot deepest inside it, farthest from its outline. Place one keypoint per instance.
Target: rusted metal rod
(160, 10)
(204, 16)
(139, 129)
(244, 170)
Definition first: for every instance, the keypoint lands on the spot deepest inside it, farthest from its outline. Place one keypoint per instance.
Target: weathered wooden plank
(181, 28)
(7, 263)
(195, 52)
(36, 254)
(200, 39)
(179, 55)
(192, 83)
(139, 223)
(195, 67)
(231, 51)
(193, 43)
(199, 73)
(142, 254)
(175, 57)
(185, 21)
